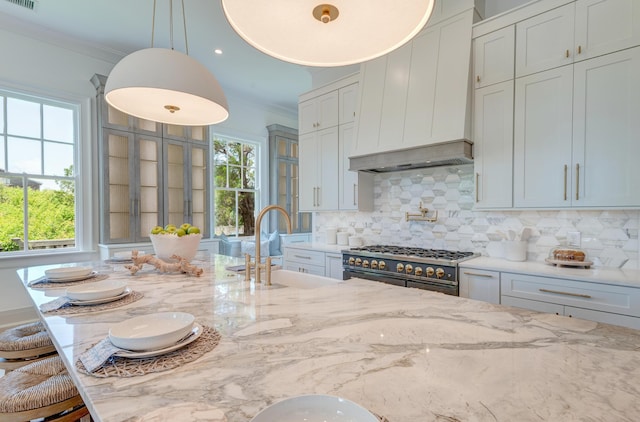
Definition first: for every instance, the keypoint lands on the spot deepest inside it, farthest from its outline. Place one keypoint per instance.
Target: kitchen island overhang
(403, 354)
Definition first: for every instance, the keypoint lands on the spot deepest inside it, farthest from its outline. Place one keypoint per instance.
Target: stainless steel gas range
(427, 269)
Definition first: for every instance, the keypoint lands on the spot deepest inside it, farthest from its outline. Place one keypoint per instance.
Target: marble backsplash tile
(609, 237)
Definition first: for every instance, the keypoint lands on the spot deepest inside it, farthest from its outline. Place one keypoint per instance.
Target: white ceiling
(124, 26)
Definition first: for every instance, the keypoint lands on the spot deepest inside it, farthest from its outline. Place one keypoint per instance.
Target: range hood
(433, 155)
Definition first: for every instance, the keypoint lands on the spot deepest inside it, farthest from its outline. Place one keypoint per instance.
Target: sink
(301, 280)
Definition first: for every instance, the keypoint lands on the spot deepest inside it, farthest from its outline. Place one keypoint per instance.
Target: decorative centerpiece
(170, 240)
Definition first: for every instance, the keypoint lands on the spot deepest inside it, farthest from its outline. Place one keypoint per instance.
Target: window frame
(257, 190)
(76, 106)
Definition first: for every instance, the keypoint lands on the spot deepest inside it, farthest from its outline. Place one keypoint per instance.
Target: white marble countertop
(605, 275)
(406, 354)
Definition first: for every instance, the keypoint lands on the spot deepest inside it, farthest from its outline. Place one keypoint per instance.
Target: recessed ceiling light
(217, 51)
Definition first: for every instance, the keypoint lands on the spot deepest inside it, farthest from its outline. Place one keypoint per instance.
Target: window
(235, 186)
(38, 139)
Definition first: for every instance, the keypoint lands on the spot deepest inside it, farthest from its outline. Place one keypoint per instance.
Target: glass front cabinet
(150, 174)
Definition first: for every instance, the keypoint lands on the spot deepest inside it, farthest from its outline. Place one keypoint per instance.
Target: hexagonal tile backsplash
(609, 237)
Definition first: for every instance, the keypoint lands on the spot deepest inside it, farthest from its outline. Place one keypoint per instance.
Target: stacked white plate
(63, 274)
(99, 292)
(315, 408)
(152, 332)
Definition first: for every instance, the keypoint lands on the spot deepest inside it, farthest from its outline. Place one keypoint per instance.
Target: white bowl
(98, 290)
(67, 272)
(151, 332)
(315, 408)
(166, 245)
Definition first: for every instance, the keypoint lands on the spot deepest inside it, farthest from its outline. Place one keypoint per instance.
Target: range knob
(418, 271)
(374, 264)
(352, 260)
(430, 271)
(400, 268)
(358, 262)
(365, 263)
(408, 268)
(439, 272)
(382, 265)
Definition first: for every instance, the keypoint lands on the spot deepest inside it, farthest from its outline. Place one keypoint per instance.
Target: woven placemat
(125, 367)
(69, 309)
(48, 285)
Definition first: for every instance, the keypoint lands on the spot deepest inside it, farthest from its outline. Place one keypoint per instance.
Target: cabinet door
(606, 129)
(542, 139)
(349, 185)
(545, 41)
(307, 116)
(534, 305)
(347, 103)
(480, 285)
(131, 186)
(328, 110)
(369, 109)
(395, 99)
(493, 57)
(176, 180)
(199, 190)
(308, 168)
(493, 145)
(333, 266)
(328, 177)
(604, 26)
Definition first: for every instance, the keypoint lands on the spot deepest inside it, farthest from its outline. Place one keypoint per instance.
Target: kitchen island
(405, 354)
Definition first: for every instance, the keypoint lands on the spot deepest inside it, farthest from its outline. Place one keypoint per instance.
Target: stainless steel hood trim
(434, 155)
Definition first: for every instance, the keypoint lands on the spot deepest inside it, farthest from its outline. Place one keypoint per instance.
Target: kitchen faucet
(257, 264)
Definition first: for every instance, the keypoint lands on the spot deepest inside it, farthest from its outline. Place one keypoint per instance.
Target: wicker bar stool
(41, 389)
(24, 344)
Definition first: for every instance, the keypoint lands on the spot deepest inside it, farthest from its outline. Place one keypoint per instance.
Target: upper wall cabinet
(574, 32)
(318, 113)
(493, 57)
(419, 93)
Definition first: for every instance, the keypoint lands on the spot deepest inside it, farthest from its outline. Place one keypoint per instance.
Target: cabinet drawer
(594, 296)
(480, 285)
(304, 256)
(304, 268)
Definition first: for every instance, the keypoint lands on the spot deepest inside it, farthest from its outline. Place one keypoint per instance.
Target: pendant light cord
(184, 25)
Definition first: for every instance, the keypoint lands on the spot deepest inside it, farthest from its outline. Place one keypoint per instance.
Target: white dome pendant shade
(166, 86)
(336, 33)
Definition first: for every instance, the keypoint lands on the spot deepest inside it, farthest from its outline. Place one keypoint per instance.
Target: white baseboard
(15, 317)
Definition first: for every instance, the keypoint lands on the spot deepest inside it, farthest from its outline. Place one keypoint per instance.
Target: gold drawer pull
(579, 49)
(565, 182)
(302, 257)
(566, 293)
(577, 182)
(566, 54)
(478, 275)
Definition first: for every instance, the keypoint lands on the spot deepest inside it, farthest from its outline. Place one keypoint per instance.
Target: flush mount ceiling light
(342, 32)
(166, 86)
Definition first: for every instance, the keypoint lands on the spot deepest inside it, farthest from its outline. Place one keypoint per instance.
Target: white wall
(62, 69)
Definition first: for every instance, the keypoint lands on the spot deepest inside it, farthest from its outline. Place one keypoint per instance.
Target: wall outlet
(574, 239)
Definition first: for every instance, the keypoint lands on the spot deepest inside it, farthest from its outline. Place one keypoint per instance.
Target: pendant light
(166, 86)
(339, 33)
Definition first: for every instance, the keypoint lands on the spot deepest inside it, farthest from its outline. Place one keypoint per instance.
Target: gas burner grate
(414, 251)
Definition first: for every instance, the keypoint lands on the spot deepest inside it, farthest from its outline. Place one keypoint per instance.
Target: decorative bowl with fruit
(169, 240)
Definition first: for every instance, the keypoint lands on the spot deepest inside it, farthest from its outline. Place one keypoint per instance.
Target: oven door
(383, 278)
(449, 289)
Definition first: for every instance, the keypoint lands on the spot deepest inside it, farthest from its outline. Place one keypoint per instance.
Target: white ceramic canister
(515, 250)
(342, 238)
(330, 235)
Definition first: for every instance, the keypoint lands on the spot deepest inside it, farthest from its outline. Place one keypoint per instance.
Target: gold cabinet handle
(478, 275)
(566, 54)
(558, 292)
(302, 256)
(565, 182)
(579, 49)
(577, 182)
(477, 186)
(318, 195)
(478, 78)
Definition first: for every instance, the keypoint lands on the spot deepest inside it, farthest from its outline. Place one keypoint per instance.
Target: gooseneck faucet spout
(257, 264)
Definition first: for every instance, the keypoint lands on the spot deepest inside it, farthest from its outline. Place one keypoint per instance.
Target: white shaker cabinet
(545, 41)
(318, 113)
(575, 32)
(356, 188)
(493, 57)
(542, 139)
(575, 134)
(493, 146)
(480, 285)
(319, 170)
(347, 98)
